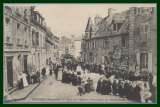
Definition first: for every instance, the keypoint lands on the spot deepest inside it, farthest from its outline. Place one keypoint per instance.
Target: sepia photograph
(80, 53)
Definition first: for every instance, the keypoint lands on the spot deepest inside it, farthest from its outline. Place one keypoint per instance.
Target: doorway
(25, 64)
(143, 61)
(10, 72)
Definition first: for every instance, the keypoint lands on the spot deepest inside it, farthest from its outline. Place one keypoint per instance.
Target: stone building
(44, 42)
(124, 40)
(77, 52)
(55, 49)
(51, 43)
(66, 46)
(70, 45)
(16, 42)
(38, 34)
(28, 43)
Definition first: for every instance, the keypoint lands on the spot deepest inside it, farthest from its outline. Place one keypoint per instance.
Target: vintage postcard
(80, 53)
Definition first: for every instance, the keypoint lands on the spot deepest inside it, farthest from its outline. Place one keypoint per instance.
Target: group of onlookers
(118, 82)
(131, 85)
(119, 73)
(138, 91)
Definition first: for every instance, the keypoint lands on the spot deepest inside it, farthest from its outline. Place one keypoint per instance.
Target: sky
(71, 19)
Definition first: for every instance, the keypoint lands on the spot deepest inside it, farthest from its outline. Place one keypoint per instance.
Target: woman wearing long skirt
(25, 83)
(59, 74)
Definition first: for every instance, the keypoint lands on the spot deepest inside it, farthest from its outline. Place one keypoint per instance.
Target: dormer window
(35, 17)
(116, 27)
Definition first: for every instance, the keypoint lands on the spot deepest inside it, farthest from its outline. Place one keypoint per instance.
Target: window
(138, 11)
(37, 39)
(105, 44)
(33, 38)
(145, 28)
(145, 32)
(7, 39)
(25, 29)
(124, 42)
(18, 25)
(144, 60)
(18, 41)
(7, 20)
(119, 26)
(35, 17)
(114, 27)
(93, 46)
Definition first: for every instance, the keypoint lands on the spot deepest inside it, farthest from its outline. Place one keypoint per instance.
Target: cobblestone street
(51, 90)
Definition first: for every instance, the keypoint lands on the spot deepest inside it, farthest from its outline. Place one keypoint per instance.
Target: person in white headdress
(25, 82)
(145, 93)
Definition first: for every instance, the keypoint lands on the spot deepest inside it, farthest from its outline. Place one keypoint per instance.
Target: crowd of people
(138, 91)
(119, 82)
(119, 73)
(135, 86)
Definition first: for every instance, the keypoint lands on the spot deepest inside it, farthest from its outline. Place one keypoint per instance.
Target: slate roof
(104, 27)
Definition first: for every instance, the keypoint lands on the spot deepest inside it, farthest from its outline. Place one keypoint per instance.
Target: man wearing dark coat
(56, 71)
(126, 89)
(137, 93)
(99, 86)
(43, 72)
(130, 90)
(104, 89)
(109, 87)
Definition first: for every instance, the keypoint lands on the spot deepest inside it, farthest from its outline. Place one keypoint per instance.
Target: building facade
(52, 42)
(28, 43)
(38, 34)
(16, 42)
(66, 46)
(70, 45)
(123, 40)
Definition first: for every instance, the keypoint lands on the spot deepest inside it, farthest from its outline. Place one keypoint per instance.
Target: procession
(67, 57)
(138, 87)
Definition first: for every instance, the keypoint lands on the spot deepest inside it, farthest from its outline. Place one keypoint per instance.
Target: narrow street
(80, 53)
(52, 90)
